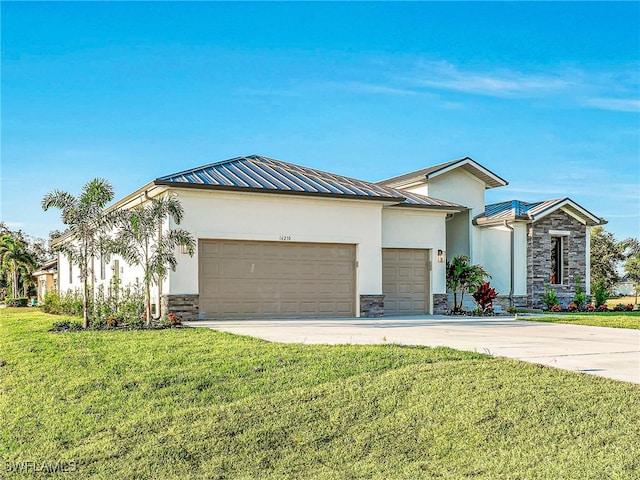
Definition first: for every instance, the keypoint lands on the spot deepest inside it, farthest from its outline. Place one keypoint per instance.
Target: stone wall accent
(539, 257)
(440, 303)
(519, 301)
(186, 307)
(371, 306)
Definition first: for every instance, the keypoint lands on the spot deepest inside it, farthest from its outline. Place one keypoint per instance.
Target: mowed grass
(195, 403)
(595, 319)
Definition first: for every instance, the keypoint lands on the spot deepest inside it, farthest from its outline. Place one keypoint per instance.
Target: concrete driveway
(607, 352)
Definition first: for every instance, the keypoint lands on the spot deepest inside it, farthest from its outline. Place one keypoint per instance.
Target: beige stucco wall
(269, 217)
(495, 256)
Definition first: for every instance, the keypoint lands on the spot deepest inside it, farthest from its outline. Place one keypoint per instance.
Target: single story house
(278, 240)
(46, 278)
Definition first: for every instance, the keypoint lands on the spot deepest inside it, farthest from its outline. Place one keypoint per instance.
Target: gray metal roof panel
(256, 172)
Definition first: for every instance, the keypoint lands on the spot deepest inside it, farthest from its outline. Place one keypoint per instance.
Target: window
(556, 260)
(70, 272)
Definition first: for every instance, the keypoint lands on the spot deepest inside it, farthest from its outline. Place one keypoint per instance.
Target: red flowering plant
(572, 307)
(590, 308)
(629, 307)
(173, 319)
(556, 308)
(484, 297)
(603, 308)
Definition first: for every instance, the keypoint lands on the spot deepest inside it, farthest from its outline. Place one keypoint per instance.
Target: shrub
(629, 307)
(17, 302)
(620, 307)
(112, 322)
(512, 310)
(484, 296)
(590, 308)
(572, 307)
(52, 303)
(600, 294)
(556, 308)
(603, 308)
(550, 299)
(579, 297)
(66, 326)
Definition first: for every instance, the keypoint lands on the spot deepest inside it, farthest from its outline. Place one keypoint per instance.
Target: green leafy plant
(550, 299)
(579, 296)
(66, 325)
(17, 302)
(512, 310)
(600, 294)
(462, 277)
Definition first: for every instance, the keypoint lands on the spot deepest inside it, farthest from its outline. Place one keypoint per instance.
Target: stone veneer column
(371, 306)
(440, 303)
(187, 307)
(539, 257)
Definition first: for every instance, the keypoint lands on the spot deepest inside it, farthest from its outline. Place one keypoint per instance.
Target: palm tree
(86, 224)
(462, 276)
(14, 257)
(141, 240)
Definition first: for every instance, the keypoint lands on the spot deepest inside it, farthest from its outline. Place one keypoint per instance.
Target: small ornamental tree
(579, 297)
(141, 241)
(484, 296)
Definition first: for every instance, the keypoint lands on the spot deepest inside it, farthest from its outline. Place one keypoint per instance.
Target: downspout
(511, 273)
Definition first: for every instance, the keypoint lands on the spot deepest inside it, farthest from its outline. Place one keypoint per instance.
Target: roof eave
(229, 188)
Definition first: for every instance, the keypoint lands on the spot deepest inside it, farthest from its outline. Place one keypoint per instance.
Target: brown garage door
(273, 279)
(405, 281)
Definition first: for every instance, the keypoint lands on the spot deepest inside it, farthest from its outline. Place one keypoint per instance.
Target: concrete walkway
(607, 352)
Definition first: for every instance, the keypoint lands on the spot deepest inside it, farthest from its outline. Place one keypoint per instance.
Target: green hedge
(17, 302)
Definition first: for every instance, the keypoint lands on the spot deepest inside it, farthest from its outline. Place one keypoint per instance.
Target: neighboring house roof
(258, 173)
(518, 210)
(48, 267)
(468, 164)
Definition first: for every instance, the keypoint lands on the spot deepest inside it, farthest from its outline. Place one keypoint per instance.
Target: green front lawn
(195, 403)
(595, 319)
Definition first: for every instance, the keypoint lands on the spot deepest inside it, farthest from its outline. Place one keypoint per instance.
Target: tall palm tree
(14, 257)
(141, 241)
(86, 225)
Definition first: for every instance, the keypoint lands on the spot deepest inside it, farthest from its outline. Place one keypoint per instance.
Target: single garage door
(242, 279)
(405, 281)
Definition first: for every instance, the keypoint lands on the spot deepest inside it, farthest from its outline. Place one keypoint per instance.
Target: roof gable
(490, 179)
(518, 210)
(257, 173)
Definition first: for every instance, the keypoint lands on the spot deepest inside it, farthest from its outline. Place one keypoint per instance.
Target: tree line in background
(608, 257)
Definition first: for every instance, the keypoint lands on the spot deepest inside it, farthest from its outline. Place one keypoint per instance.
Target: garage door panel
(273, 279)
(405, 281)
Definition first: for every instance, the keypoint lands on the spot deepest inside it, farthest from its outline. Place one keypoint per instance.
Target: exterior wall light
(441, 256)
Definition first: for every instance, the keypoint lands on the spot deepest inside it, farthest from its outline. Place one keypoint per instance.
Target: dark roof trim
(490, 179)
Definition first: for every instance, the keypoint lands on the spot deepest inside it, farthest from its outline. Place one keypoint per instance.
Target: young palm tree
(462, 277)
(14, 257)
(141, 240)
(86, 225)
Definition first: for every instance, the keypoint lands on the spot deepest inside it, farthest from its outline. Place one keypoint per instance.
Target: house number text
(285, 238)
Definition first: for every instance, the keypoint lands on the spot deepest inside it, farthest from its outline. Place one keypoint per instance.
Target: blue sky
(546, 95)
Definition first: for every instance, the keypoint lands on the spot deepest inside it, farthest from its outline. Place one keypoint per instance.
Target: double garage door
(242, 279)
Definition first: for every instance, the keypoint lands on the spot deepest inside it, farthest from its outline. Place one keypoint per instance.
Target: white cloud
(615, 104)
(499, 83)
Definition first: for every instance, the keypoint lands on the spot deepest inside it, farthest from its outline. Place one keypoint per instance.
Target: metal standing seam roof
(516, 209)
(255, 172)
